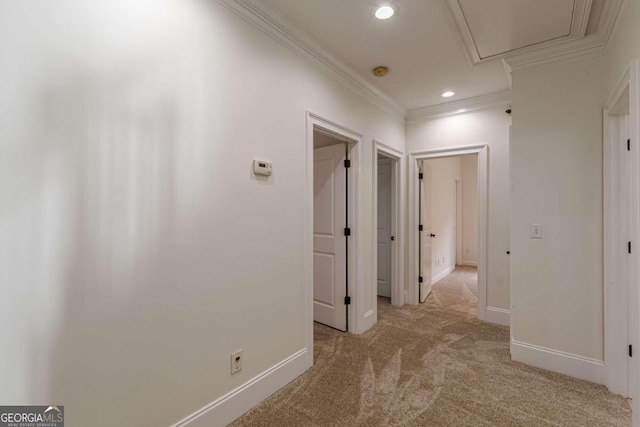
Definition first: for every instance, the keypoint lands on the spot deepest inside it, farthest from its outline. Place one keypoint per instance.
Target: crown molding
(591, 46)
(476, 103)
(282, 30)
(568, 52)
(579, 23)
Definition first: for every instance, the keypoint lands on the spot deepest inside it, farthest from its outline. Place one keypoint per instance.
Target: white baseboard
(573, 365)
(232, 405)
(442, 275)
(499, 316)
(469, 263)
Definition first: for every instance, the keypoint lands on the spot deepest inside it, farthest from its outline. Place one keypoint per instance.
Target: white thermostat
(260, 167)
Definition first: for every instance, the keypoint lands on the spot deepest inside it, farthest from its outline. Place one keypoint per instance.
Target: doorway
(356, 305)
(621, 238)
(419, 192)
(448, 211)
(387, 210)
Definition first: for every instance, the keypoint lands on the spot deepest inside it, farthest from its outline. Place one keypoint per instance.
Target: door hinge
(347, 163)
(630, 350)
(347, 300)
(420, 279)
(420, 227)
(628, 145)
(420, 175)
(629, 247)
(347, 231)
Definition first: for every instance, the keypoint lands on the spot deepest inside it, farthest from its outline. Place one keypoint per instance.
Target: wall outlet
(236, 361)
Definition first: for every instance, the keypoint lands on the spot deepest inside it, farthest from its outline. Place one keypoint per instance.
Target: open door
(329, 241)
(384, 227)
(425, 232)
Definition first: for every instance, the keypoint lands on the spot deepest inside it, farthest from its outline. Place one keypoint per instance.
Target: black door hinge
(347, 300)
(420, 279)
(628, 145)
(347, 163)
(420, 227)
(629, 247)
(347, 231)
(630, 350)
(420, 175)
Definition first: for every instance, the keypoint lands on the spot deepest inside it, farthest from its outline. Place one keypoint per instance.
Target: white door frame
(397, 201)
(621, 270)
(458, 210)
(483, 202)
(354, 139)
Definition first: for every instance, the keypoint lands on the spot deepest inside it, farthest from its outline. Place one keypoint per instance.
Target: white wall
(489, 127)
(469, 168)
(624, 44)
(137, 250)
(556, 164)
(444, 173)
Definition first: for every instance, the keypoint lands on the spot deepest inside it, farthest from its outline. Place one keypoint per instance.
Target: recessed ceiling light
(385, 12)
(448, 94)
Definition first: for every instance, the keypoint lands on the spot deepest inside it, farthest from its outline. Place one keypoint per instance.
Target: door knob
(433, 235)
(393, 238)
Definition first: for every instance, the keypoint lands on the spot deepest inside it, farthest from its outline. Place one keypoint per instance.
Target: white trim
(469, 263)
(615, 266)
(459, 230)
(634, 261)
(567, 52)
(358, 323)
(621, 171)
(579, 21)
(483, 199)
(232, 405)
(280, 28)
(476, 103)
(499, 316)
(561, 362)
(435, 279)
(397, 223)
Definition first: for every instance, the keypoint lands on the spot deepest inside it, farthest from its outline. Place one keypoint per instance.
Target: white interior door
(329, 245)
(426, 233)
(384, 227)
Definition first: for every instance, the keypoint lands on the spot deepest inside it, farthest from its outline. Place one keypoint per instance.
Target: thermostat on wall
(260, 167)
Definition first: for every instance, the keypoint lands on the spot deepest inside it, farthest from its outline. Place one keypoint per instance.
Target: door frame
(621, 328)
(356, 322)
(483, 203)
(458, 210)
(397, 230)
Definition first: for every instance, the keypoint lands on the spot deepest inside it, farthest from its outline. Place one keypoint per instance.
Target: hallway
(433, 365)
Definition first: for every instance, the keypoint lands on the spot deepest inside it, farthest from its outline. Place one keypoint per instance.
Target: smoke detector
(380, 71)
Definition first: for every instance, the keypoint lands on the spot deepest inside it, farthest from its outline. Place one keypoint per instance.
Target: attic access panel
(495, 28)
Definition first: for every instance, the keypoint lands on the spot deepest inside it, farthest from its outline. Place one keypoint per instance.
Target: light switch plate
(535, 230)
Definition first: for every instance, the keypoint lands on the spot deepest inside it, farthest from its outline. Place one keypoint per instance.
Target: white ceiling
(424, 46)
(499, 26)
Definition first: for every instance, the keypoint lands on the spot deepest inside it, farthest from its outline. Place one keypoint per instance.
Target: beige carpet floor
(432, 365)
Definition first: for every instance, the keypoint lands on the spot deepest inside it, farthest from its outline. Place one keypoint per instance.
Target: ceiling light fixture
(385, 12)
(448, 94)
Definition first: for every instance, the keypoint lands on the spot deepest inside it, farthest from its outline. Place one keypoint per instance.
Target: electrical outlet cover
(236, 361)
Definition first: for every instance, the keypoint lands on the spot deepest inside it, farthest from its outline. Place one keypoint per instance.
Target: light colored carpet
(432, 365)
